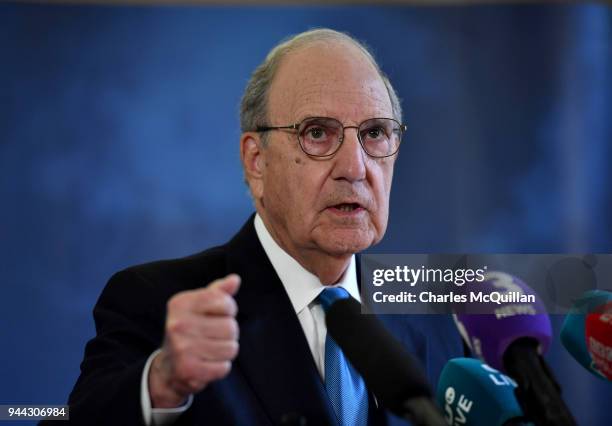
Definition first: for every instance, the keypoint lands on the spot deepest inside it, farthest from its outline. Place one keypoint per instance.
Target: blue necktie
(344, 385)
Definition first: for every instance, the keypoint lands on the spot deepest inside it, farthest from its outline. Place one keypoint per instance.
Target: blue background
(119, 145)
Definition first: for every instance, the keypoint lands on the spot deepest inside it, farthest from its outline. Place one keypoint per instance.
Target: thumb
(230, 284)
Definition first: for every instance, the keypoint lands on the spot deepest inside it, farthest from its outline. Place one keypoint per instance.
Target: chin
(347, 242)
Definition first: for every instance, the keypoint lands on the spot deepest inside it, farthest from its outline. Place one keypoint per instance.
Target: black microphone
(389, 371)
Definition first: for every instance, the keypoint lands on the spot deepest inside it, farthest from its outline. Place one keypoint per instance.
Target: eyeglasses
(323, 136)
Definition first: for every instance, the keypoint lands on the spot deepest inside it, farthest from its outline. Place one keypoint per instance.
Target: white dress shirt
(302, 287)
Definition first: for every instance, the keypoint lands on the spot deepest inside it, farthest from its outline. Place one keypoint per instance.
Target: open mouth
(347, 207)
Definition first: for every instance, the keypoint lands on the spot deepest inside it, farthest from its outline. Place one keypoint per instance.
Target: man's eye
(315, 133)
(375, 133)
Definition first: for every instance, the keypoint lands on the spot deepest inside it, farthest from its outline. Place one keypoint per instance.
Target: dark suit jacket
(274, 374)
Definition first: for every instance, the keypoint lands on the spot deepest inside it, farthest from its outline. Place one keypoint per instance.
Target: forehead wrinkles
(348, 104)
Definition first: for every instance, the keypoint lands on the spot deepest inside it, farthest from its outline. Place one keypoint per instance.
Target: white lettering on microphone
(459, 416)
(498, 378)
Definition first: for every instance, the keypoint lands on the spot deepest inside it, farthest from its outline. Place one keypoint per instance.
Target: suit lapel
(274, 354)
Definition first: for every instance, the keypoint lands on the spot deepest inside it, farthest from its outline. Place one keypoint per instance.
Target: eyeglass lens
(321, 136)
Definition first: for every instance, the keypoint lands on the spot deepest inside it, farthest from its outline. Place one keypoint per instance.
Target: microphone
(570, 277)
(573, 331)
(475, 394)
(599, 340)
(389, 371)
(513, 339)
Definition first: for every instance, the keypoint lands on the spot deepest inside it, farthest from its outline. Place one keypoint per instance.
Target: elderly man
(236, 334)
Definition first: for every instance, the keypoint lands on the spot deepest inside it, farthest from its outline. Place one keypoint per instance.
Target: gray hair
(254, 105)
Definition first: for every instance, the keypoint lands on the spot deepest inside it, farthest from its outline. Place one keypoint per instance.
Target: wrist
(161, 392)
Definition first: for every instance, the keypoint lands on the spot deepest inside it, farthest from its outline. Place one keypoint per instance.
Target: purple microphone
(498, 324)
(511, 332)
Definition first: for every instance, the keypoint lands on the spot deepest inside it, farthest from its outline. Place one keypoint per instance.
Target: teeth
(346, 207)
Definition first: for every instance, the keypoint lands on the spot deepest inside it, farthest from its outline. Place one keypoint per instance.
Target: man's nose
(350, 158)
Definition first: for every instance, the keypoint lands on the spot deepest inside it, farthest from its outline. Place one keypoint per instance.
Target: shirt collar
(302, 286)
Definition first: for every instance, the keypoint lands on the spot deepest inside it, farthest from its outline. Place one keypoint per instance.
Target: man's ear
(251, 156)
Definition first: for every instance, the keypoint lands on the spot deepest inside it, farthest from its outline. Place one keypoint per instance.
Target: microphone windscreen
(599, 340)
(569, 278)
(573, 331)
(389, 371)
(489, 335)
(475, 394)
(573, 338)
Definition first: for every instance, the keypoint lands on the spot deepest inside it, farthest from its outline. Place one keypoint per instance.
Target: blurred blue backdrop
(119, 145)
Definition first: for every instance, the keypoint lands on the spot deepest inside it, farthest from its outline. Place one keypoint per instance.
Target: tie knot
(328, 296)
